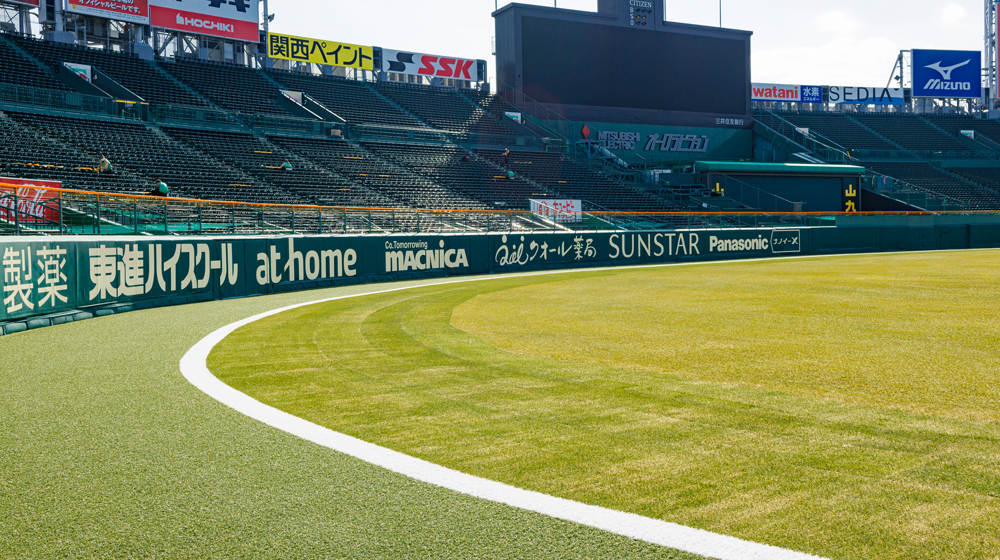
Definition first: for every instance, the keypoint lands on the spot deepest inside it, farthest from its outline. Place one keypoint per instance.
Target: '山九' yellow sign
(289, 47)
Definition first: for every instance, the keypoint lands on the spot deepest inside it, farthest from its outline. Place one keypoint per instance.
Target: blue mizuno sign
(947, 74)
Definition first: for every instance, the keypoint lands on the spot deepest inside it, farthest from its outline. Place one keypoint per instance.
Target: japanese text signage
(786, 93)
(433, 66)
(332, 53)
(557, 210)
(230, 19)
(50, 275)
(132, 11)
(947, 74)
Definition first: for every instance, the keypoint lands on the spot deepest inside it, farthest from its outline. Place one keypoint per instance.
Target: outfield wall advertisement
(59, 274)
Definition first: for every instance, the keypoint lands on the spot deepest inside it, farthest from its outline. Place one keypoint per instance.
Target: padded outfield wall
(60, 276)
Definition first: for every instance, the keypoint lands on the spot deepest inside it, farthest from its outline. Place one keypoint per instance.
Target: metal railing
(69, 212)
(52, 99)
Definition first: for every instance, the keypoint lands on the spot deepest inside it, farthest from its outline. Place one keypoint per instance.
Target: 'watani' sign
(786, 93)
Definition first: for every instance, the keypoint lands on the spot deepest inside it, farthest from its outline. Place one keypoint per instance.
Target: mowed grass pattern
(844, 406)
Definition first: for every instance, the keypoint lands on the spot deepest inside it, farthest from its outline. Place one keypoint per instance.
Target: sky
(845, 43)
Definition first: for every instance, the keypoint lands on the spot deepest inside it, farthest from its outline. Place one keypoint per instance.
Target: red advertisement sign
(202, 24)
(24, 2)
(132, 11)
(32, 197)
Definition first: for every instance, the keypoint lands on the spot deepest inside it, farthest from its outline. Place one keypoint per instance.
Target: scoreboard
(625, 64)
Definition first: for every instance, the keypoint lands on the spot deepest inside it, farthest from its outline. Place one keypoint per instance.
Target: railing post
(369, 220)
(135, 215)
(345, 221)
(232, 217)
(17, 214)
(319, 221)
(166, 217)
(98, 221)
(201, 222)
(393, 220)
(418, 220)
(59, 204)
(293, 220)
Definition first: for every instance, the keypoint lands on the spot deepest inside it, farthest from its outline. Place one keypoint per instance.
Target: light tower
(990, 55)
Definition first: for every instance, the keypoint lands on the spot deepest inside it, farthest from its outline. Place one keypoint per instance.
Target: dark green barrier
(60, 274)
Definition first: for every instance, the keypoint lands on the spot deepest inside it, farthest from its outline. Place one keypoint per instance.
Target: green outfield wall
(57, 276)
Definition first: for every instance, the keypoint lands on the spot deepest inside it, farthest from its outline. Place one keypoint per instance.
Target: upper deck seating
(231, 87)
(350, 99)
(444, 109)
(135, 74)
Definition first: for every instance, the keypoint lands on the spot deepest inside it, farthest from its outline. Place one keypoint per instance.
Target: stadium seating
(955, 124)
(839, 128)
(31, 154)
(136, 149)
(263, 160)
(351, 100)
(135, 74)
(572, 179)
(375, 173)
(443, 108)
(911, 132)
(939, 182)
(231, 87)
(20, 71)
(477, 178)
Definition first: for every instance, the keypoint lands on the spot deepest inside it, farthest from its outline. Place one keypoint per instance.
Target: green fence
(61, 274)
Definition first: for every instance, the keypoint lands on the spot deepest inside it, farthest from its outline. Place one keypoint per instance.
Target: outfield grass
(845, 407)
(106, 451)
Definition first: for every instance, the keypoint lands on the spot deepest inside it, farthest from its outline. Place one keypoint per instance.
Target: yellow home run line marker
(194, 367)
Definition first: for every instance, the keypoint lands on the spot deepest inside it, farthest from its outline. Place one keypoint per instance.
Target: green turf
(844, 407)
(107, 452)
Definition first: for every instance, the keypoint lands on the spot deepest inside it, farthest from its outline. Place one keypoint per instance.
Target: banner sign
(132, 11)
(233, 19)
(516, 117)
(33, 3)
(295, 96)
(82, 70)
(786, 93)
(968, 133)
(419, 64)
(947, 74)
(866, 95)
(302, 49)
(32, 198)
(561, 211)
(60, 273)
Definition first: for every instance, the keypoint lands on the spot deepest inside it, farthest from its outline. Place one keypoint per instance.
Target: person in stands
(286, 166)
(104, 166)
(506, 156)
(510, 175)
(466, 158)
(161, 189)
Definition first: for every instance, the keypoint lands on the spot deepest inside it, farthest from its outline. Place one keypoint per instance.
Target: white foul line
(696, 541)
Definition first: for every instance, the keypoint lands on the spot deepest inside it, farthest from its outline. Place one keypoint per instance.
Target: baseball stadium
(275, 296)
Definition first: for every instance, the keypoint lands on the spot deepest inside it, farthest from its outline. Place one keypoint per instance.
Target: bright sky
(847, 43)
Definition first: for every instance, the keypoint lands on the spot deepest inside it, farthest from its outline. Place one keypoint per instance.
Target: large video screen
(573, 63)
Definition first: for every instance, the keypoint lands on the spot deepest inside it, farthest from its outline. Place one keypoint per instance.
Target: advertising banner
(82, 70)
(303, 49)
(32, 198)
(786, 93)
(32, 3)
(947, 74)
(842, 95)
(54, 274)
(132, 11)
(235, 19)
(557, 210)
(420, 64)
(514, 116)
